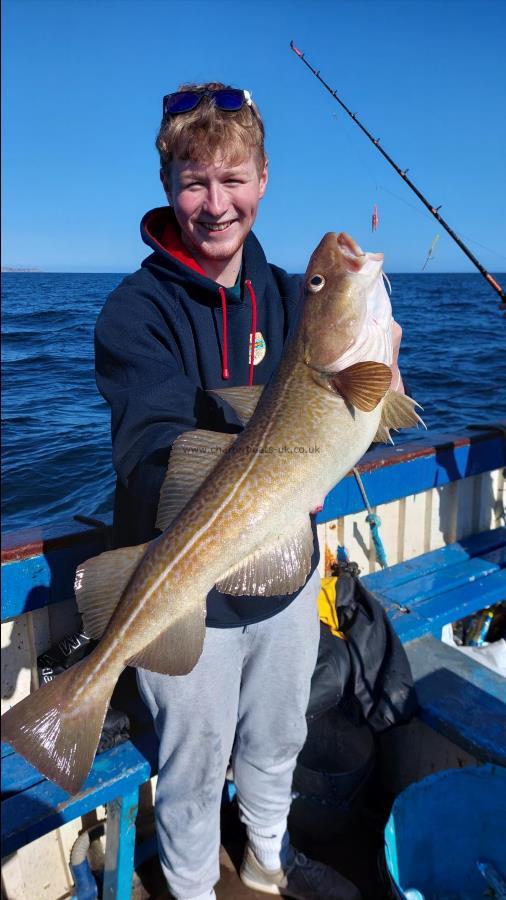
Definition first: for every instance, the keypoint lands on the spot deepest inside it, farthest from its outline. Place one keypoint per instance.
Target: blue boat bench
(457, 696)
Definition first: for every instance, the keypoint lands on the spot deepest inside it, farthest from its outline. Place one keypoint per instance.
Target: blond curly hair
(204, 132)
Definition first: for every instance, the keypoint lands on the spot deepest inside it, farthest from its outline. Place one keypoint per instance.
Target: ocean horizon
(56, 451)
(34, 270)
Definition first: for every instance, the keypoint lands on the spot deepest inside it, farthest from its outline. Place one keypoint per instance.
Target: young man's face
(215, 204)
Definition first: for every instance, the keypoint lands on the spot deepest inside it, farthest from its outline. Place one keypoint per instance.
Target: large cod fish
(239, 503)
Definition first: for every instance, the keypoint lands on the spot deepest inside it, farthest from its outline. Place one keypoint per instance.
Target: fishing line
(419, 212)
(423, 214)
(379, 186)
(403, 174)
(483, 247)
(356, 153)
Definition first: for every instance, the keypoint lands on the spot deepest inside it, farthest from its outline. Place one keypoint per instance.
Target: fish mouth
(348, 246)
(353, 254)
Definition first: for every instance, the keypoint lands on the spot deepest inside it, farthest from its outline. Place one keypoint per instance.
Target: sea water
(56, 427)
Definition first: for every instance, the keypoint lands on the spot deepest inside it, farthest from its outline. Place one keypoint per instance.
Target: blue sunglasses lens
(231, 100)
(182, 101)
(185, 101)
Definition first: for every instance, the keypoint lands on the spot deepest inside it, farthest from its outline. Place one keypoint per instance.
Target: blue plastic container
(441, 827)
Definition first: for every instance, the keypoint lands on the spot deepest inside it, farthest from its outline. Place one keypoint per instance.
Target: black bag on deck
(367, 675)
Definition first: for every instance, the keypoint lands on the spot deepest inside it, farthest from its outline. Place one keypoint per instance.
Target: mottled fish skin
(301, 440)
(254, 492)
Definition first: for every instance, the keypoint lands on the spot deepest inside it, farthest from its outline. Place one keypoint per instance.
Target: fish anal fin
(364, 384)
(243, 400)
(177, 649)
(193, 455)
(58, 727)
(280, 567)
(99, 584)
(398, 411)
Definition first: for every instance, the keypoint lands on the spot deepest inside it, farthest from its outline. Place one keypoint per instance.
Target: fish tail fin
(57, 728)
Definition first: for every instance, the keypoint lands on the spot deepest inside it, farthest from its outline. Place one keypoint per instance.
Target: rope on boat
(374, 522)
(85, 886)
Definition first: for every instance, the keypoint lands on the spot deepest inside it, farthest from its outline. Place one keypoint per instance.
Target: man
(207, 311)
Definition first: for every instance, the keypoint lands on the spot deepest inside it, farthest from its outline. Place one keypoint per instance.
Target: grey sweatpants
(247, 696)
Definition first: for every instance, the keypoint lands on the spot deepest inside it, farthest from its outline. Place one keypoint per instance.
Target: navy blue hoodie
(160, 344)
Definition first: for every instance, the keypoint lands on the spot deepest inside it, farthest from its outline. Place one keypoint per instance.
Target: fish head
(347, 316)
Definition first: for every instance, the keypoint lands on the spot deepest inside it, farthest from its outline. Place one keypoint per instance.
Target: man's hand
(396, 383)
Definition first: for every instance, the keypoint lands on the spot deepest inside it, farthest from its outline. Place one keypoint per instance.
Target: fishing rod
(403, 173)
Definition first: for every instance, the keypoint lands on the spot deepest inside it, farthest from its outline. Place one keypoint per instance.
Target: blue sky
(82, 87)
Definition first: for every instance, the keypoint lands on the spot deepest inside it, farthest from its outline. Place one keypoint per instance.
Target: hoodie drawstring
(224, 362)
(253, 328)
(224, 365)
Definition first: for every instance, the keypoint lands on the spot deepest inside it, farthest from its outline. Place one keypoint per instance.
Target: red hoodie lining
(170, 240)
(172, 243)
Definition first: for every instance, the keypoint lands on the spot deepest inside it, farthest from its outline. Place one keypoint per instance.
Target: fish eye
(316, 283)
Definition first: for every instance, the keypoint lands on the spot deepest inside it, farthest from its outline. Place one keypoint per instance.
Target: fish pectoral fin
(364, 384)
(243, 400)
(99, 584)
(177, 649)
(193, 455)
(280, 567)
(398, 411)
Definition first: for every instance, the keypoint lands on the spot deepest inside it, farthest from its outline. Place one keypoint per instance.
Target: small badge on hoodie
(260, 348)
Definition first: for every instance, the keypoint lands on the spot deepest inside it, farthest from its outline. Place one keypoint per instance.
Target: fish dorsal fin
(193, 456)
(364, 384)
(398, 411)
(242, 399)
(99, 584)
(279, 567)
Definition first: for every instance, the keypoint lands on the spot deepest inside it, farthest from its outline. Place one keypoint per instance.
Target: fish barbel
(239, 503)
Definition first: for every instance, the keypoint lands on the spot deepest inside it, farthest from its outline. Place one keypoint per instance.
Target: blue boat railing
(38, 568)
(38, 564)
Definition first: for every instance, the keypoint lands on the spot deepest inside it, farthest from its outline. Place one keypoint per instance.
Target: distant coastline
(19, 269)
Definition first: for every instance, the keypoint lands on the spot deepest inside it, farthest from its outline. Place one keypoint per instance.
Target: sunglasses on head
(229, 99)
